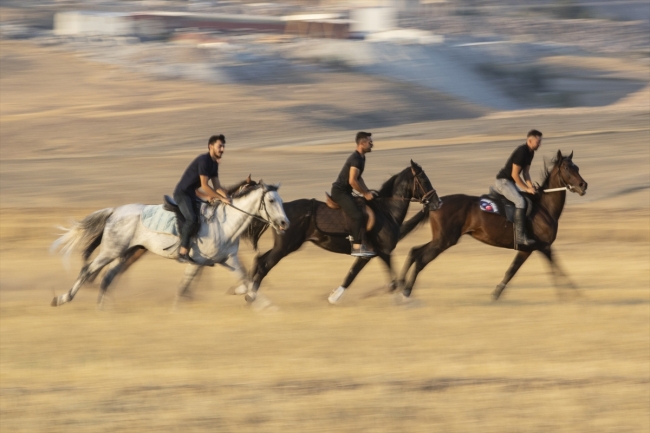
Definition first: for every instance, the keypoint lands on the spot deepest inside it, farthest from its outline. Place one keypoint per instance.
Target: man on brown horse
(510, 178)
(350, 178)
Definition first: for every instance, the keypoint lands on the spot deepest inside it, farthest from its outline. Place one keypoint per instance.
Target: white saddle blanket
(157, 219)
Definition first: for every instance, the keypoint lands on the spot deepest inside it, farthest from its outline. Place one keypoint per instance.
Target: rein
(257, 217)
(423, 200)
(564, 188)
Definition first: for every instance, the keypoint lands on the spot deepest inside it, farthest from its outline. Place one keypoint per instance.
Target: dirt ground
(77, 136)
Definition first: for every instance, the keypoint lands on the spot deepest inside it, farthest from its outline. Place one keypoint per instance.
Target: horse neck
(238, 221)
(402, 194)
(553, 202)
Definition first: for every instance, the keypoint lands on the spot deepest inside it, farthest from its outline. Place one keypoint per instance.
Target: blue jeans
(509, 190)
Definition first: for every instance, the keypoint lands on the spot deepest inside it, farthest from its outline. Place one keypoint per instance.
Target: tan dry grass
(533, 362)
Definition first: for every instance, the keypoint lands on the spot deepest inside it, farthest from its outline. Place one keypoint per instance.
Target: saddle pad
(157, 219)
(330, 221)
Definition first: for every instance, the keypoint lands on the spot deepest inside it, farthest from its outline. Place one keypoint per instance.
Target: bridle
(266, 220)
(425, 195)
(417, 186)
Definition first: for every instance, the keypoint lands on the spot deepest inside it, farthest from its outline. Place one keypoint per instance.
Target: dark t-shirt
(343, 181)
(522, 156)
(202, 165)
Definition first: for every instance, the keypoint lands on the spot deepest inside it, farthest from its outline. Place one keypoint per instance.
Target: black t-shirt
(202, 165)
(522, 156)
(343, 181)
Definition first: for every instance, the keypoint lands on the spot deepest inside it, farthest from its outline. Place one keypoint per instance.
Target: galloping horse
(390, 208)
(123, 237)
(462, 215)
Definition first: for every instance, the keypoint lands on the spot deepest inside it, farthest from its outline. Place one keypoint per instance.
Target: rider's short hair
(215, 138)
(534, 133)
(362, 136)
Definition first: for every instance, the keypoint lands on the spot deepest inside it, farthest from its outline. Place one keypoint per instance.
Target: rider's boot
(520, 228)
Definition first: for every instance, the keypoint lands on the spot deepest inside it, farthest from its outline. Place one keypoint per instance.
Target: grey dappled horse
(121, 236)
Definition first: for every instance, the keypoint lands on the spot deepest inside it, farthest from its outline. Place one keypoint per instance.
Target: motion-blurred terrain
(78, 134)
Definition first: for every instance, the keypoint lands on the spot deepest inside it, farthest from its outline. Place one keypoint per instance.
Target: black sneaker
(184, 258)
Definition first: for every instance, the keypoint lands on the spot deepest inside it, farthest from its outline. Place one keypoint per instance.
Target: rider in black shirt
(205, 167)
(509, 179)
(350, 178)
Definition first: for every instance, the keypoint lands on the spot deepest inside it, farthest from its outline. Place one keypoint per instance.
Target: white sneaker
(335, 296)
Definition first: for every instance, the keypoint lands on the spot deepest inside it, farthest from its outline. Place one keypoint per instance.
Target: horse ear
(415, 168)
(248, 179)
(570, 156)
(558, 157)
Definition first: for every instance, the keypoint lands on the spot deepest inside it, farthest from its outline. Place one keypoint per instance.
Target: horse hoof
(405, 301)
(497, 292)
(262, 303)
(55, 302)
(250, 297)
(335, 296)
(240, 290)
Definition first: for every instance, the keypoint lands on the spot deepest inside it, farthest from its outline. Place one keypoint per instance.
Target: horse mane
(245, 192)
(546, 172)
(386, 189)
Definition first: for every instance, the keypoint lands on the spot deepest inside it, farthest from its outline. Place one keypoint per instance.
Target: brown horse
(462, 215)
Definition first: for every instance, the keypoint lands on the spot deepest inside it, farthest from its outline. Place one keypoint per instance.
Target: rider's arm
(217, 187)
(527, 179)
(358, 184)
(516, 171)
(210, 192)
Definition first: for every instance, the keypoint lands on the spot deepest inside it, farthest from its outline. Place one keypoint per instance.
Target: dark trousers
(347, 203)
(186, 203)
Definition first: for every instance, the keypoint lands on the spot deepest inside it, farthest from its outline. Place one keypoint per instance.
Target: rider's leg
(186, 206)
(508, 189)
(354, 213)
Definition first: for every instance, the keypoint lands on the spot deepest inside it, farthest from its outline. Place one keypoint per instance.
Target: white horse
(123, 238)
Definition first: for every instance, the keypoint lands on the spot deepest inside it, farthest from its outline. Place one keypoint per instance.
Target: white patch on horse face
(274, 207)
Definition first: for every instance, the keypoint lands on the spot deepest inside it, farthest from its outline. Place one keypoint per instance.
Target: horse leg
(358, 265)
(86, 272)
(560, 279)
(233, 264)
(131, 256)
(420, 256)
(410, 259)
(386, 258)
(519, 260)
(191, 271)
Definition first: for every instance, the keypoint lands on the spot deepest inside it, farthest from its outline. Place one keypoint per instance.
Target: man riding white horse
(204, 168)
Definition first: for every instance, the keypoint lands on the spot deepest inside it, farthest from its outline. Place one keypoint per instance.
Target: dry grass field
(78, 136)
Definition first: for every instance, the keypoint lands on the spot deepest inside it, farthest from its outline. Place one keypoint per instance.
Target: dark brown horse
(390, 207)
(462, 215)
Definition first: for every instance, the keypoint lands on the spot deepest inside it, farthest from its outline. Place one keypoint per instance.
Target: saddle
(170, 205)
(331, 220)
(493, 202)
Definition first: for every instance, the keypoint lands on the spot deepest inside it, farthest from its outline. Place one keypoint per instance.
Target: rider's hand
(226, 200)
(531, 190)
(368, 196)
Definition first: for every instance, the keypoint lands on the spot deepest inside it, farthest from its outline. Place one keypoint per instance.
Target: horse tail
(254, 232)
(408, 226)
(85, 234)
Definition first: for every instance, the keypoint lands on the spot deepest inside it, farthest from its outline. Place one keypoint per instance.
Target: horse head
(273, 210)
(423, 191)
(569, 174)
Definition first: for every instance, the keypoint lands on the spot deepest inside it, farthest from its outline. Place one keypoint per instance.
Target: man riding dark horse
(349, 179)
(509, 182)
(204, 168)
